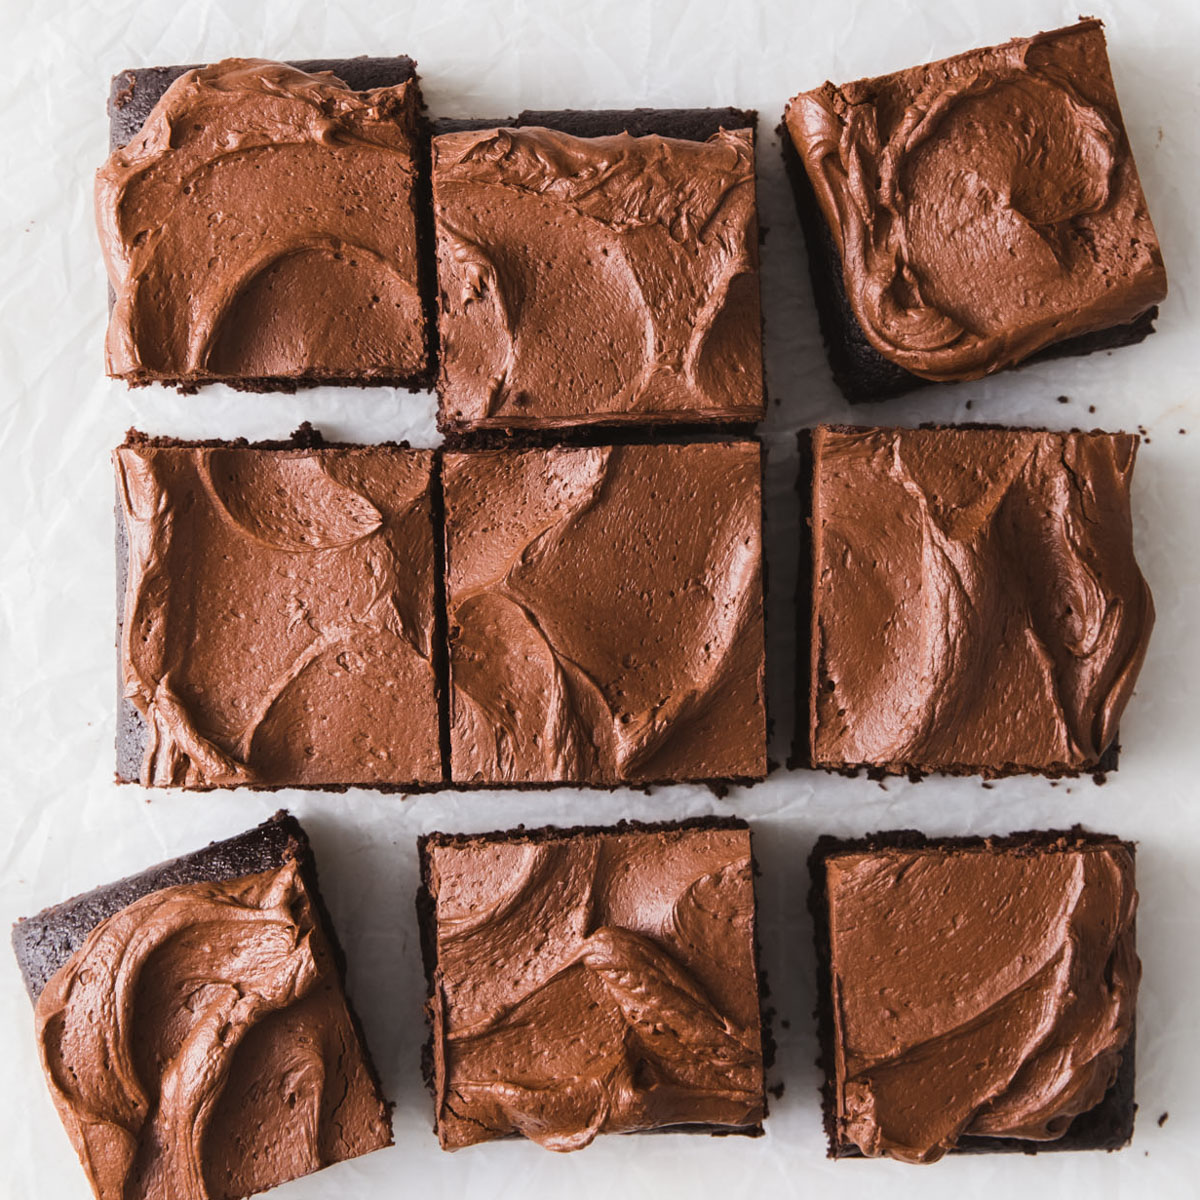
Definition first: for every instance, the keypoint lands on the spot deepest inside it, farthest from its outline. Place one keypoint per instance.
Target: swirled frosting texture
(605, 613)
(597, 983)
(977, 992)
(261, 227)
(985, 206)
(606, 279)
(198, 1046)
(976, 602)
(278, 615)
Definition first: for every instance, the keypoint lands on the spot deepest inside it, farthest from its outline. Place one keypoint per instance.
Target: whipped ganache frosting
(260, 228)
(976, 601)
(985, 206)
(591, 982)
(977, 991)
(198, 1046)
(604, 279)
(605, 613)
(279, 613)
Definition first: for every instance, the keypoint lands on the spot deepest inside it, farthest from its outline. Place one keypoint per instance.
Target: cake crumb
(785, 1024)
(1162, 1119)
(1064, 399)
(1091, 408)
(969, 403)
(776, 1090)
(1183, 431)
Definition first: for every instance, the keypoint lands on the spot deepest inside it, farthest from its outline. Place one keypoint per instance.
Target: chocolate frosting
(198, 1045)
(261, 225)
(606, 279)
(279, 614)
(594, 984)
(985, 206)
(976, 601)
(977, 992)
(605, 613)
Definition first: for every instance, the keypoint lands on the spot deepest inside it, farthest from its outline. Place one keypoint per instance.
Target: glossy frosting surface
(620, 992)
(985, 206)
(198, 1047)
(279, 613)
(605, 613)
(977, 992)
(597, 279)
(261, 225)
(976, 600)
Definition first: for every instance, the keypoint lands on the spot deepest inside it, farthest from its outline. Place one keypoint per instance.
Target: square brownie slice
(261, 225)
(193, 1024)
(605, 614)
(975, 995)
(969, 214)
(598, 269)
(976, 604)
(277, 615)
(587, 981)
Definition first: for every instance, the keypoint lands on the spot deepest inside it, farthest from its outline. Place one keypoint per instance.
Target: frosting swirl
(984, 206)
(559, 670)
(261, 225)
(278, 614)
(197, 1045)
(977, 992)
(620, 994)
(601, 279)
(999, 618)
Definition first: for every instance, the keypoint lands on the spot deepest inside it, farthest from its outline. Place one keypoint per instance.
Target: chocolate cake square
(598, 269)
(277, 615)
(193, 1024)
(976, 604)
(605, 614)
(975, 995)
(970, 214)
(587, 981)
(262, 225)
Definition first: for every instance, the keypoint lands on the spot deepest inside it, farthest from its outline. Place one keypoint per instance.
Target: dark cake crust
(427, 931)
(134, 92)
(861, 373)
(1108, 1126)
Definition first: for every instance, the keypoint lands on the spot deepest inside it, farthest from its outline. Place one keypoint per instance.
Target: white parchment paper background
(64, 825)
